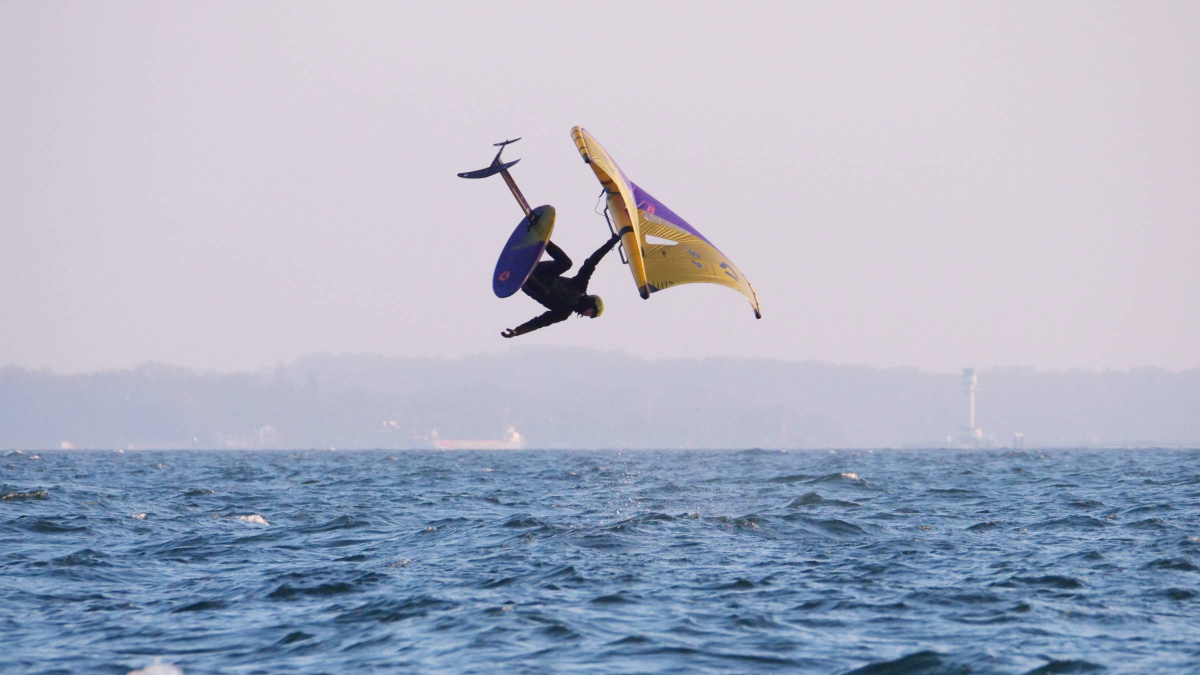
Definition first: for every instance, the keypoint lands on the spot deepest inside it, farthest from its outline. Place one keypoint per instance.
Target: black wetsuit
(561, 295)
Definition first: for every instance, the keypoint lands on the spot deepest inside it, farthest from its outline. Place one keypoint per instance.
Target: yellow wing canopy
(663, 250)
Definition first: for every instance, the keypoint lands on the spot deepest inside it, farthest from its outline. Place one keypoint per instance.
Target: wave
(1070, 523)
(954, 598)
(643, 518)
(32, 494)
(1153, 508)
(749, 522)
(956, 493)
(1177, 564)
(830, 526)
(51, 524)
(1066, 668)
(443, 523)
(84, 557)
(388, 610)
(1149, 524)
(293, 637)
(559, 631)
(565, 574)
(917, 663)
(157, 668)
(334, 524)
(531, 525)
(1046, 581)
(523, 520)
(629, 640)
(736, 585)
(200, 606)
(814, 499)
(1090, 555)
(613, 599)
(252, 518)
(288, 591)
(848, 477)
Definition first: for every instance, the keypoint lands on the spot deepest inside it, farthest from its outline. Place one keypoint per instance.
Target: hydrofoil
(528, 240)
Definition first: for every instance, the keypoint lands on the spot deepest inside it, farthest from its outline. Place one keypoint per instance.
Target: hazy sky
(225, 185)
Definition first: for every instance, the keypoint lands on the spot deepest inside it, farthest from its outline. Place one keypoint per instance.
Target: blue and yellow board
(523, 251)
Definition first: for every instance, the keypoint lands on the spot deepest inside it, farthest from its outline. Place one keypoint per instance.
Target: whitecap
(138, 516)
(252, 518)
(32, 494)
(157, 668)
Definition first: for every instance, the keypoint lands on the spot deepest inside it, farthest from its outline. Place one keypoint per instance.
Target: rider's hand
(508, 332)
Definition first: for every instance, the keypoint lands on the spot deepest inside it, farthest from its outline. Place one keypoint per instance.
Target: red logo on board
(503, 276)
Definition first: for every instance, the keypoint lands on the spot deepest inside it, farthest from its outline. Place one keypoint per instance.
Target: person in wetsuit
(562, 295)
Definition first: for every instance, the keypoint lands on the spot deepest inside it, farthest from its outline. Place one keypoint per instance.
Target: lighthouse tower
(972, 434)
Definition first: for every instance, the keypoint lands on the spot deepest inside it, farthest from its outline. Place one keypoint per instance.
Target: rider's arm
(589, 265)
(541, 321)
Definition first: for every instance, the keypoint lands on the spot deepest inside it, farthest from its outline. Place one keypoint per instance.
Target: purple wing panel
(646, 202)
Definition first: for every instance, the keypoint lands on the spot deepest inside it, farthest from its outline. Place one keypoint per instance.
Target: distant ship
(511, 441)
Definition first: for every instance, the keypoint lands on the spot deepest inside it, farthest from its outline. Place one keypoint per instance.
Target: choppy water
(338, 562)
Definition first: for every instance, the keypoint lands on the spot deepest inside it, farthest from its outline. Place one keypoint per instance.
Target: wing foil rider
(562, 295)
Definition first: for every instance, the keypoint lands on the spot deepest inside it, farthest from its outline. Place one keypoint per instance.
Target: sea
(753, 561)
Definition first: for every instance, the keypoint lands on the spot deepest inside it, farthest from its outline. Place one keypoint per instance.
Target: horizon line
(516, 349)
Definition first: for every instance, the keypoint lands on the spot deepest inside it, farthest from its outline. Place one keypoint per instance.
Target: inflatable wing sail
(677, 253)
